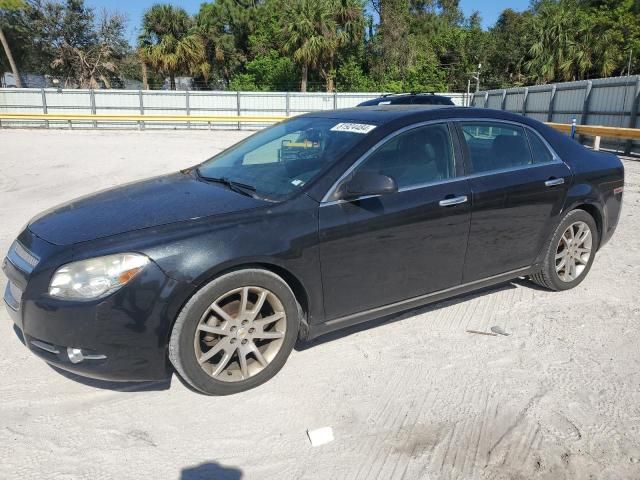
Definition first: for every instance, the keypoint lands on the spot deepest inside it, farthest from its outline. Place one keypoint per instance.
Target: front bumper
(122, 337)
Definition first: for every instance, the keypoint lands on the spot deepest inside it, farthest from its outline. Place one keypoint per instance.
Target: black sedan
(408, 99)
(317, 223)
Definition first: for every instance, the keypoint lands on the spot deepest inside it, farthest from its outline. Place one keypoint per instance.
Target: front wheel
(570, 253)
(235, 333)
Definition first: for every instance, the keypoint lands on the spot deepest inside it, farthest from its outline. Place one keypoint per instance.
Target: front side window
(496, 146)
(279, 160)
(418, 156)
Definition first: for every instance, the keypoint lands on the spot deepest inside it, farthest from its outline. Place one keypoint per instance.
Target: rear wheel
(570, 252)
(235, 333)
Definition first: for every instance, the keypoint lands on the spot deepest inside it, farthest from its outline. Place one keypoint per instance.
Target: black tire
(547, 277)
(181, 344)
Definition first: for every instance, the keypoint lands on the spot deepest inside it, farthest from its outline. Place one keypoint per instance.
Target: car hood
(157, 201)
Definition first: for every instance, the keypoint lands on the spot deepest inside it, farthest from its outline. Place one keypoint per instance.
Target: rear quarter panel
(598, 181)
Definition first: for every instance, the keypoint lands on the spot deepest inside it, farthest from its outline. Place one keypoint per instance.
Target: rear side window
(496, 146)
(419, 156)
(541, 153)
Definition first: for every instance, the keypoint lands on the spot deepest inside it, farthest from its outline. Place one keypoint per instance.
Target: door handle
(447, 202)
(554, 181)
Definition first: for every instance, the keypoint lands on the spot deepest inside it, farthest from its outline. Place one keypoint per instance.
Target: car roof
(379, 114)
(420, 98)
(383, 114)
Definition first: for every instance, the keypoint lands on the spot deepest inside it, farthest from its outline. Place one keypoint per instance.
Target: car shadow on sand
(368, 325)
(210, 471)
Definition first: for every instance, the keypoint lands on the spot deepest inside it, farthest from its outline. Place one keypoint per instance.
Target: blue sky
(489, 9)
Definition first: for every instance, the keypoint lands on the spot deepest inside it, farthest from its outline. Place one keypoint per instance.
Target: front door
(379, 250)
(518, 189)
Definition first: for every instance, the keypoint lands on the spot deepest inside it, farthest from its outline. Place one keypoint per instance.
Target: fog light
(77, 355)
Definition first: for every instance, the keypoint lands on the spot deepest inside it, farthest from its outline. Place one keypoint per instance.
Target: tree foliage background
(344, 45)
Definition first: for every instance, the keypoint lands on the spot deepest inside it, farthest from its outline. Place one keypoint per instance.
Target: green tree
(510, 40)
(170, 44)
(315, 31)
(225, 26)
(10, 5)
(569, 44)
(391, 43)
(67, 40)
(89, 50)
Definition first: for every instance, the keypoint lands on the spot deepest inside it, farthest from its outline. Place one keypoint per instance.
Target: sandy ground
(416, 398)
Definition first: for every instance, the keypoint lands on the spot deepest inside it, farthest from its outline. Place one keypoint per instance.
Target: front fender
(282, 239)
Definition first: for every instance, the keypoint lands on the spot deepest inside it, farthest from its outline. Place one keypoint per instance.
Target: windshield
(281, 159)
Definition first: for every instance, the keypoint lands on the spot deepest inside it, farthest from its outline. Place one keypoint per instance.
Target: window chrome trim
(556, 159)
(554, 154)
(326, 199)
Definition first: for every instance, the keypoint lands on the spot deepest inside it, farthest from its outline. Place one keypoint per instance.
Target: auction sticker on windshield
(353, 128)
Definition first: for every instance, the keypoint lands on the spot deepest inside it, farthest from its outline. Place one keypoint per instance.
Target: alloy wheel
(573, 251)
(240, 334)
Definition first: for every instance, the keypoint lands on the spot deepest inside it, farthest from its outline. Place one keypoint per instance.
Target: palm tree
(10, 5)
(300, 36)
(316, 29)
(553, 28)
(169, 44)
(568, 46)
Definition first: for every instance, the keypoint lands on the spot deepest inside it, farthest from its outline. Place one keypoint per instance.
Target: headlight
(95, 277)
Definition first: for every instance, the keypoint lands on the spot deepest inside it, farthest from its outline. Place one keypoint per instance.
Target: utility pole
(476, 77)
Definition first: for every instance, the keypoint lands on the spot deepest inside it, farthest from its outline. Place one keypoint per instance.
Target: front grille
(22, 258)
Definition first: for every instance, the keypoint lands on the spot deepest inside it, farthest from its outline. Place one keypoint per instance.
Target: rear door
(375, 251)
(518, 186)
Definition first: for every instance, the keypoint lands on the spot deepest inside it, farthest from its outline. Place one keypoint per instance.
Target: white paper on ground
(320, 436)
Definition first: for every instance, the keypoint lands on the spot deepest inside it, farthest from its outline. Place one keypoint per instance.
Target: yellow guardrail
(596, 131)
(599, 132)
(139, 118)
(591, 130)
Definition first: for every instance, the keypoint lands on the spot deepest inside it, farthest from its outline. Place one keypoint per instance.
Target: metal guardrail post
(524, 101)
(633, 115)
(238, 106)
(188, 107)
(92, 101)
(503, 100)
(335, 100)
(287, 106)
(44, 105)
(141, 106)
(552, 100)
(486, 100)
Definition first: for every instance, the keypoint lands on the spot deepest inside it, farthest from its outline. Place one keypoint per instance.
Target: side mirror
(367, 183)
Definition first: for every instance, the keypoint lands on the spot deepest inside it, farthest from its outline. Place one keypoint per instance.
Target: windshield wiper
(238, 187)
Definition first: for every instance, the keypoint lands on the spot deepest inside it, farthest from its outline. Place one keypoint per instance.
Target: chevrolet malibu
(320, 222)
